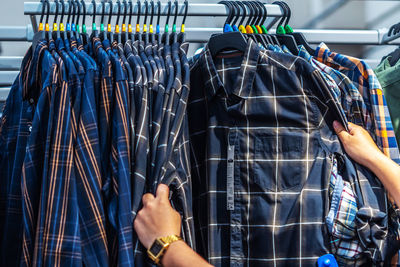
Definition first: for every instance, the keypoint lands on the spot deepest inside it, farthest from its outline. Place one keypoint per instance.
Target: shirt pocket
(278, 162)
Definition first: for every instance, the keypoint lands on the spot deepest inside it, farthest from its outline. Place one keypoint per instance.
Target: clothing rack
(9, 66)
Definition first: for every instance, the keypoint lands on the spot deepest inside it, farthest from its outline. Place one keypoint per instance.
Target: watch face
(156, 248)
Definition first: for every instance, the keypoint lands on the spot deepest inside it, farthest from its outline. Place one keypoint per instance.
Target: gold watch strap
(170, 239)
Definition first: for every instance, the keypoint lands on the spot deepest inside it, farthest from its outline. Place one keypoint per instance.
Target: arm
(157, 219)
(361, 148)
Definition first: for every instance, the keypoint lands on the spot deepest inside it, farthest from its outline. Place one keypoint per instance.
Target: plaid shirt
(120, 159)
(246, 130)
(376, 115)
(16, 124)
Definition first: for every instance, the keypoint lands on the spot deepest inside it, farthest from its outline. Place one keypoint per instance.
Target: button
(31, 101)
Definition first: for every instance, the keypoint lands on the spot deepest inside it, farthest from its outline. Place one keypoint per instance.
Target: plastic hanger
(109, 31)
(158, 33)
(117, 29)
(257, 19)
(62, 27)
(228, 40)
(166, 36)
(241, 27)
(47, 26)
(182, 34)
(75, 27)
(227, 25)
(262, 30)
(103, 33)
(124, 33)
(130, 30)
(151, 28)
(84, 34)
(298, 36)
(237, 17)
(40, 34)
(138, 35)
(285, 39)
(56, 32)
(94, 33)
(145, 30)
(174, 35)
(271, 38)
(71, 11)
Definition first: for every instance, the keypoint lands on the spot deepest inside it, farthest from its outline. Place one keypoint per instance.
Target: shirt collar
(304, 53)
(335, 60)
(245, 76)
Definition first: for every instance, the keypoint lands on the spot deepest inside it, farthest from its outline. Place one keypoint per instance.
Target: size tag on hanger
(230, 179)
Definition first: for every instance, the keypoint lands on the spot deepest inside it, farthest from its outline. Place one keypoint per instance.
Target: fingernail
(335, 124)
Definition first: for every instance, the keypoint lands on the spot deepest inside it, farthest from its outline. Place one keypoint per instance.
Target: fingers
(162, 192)
(340, 130)
(147, 198)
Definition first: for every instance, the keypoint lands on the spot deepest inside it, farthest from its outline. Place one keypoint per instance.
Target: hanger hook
(125, 11)
(62, 11)
(225, 3)
(103, 7)
(289, 13)
(94, 12)
(130, 11)
(152, 12)
(74, 11)
(283, 18)
(119, 12)
(169, 13)
(139, 4)
(176, 11)
(69, 11)
(146, 12)
(159, 12)
(257, 13)
(43, 10)
(244, 15)
(264, 13)
(251, 13)
(84, 12)
(48, 11)
(110, 12)
(186, 12)
(78, 4)
(56, 15)
(238, 11)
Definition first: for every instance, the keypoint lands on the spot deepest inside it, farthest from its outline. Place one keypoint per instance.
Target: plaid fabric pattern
(246, 105)
(16, 124)
(376, 116)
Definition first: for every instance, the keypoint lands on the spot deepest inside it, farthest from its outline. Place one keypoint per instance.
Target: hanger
(285, 39)
(237, 17)
(124, 33)
(227, 24)
(166, 36)
(138, 35)
(47, 26)
(109, 32)
(84, 34)
(94, 28)
(62, 27)
(255, 24)
(391, 35)
(145, 30)
(158, 34)
(40, 34)
(298, 36)
(174, 34)
(130, 31)
(56, 32)
(233, 40)
(250, 31)
(103, 33)
(260, 24)
(117, 30)
(182, 34)
(70, 7)
(151, 28)
(75, 27)
(271, 38)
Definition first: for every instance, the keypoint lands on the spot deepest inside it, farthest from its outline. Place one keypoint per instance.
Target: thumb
(162, 192)
(340, 130)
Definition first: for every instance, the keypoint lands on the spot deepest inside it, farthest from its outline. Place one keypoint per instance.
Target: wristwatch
(160, 245)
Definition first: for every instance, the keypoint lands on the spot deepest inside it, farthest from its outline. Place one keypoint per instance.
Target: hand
(358, 144)
(157, 218)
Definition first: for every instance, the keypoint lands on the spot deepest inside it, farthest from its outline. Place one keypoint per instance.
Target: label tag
(230, 187)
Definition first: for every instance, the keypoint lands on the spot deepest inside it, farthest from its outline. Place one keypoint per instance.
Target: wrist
(171, 250)
(375, 163)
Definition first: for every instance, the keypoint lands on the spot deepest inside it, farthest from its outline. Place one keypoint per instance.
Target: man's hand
(358, 144)
(157, 218)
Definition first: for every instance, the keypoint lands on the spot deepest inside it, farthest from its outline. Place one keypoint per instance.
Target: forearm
(388, 173)
(179, 254)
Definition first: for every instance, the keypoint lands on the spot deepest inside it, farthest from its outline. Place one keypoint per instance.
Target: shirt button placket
(236, 249)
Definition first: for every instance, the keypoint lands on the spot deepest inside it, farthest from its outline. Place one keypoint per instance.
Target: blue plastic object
(235, 28)
(327, 260)
(158, 29)
(228, 28)
(68, 27)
